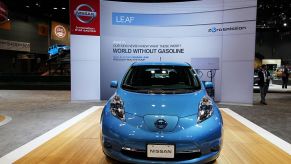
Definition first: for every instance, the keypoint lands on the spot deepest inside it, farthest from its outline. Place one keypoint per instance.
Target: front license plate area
(160, 151)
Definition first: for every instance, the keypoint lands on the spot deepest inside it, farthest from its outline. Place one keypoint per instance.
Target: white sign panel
(220, 30)
(205, 63)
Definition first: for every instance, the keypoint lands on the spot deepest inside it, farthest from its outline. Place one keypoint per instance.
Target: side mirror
(208, 84)
(113, 84)
(209, 88)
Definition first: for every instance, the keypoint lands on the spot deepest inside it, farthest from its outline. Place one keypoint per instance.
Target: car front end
(161, 125)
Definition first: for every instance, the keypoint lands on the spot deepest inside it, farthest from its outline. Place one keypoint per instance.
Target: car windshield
(161, 79)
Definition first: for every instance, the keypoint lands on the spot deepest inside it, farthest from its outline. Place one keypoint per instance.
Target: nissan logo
(161, 124)
(85, 13)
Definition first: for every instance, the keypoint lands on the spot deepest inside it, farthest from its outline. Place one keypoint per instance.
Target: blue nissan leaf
(161, 113)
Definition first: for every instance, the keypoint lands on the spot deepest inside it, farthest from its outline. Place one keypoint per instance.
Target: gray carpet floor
(34, 113)
(274, 117)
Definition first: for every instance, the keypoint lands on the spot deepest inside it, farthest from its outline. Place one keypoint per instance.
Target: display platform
(275, 88)
(4, 120)
(81, 144)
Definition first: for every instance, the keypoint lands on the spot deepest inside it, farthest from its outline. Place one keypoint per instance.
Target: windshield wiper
(133, 88)
(129, 86)
(186, 90)
(156, 90)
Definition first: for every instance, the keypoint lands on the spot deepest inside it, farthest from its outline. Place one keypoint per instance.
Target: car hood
(180, 105)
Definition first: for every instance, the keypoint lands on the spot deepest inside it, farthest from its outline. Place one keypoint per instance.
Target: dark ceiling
(57, 10)
(272, 15)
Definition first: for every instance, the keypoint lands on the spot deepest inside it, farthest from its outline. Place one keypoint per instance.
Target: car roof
(58, 45)
(161, 63)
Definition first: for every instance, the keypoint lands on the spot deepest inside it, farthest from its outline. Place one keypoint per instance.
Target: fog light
(215, 148)
(107, 144)
(132, 149)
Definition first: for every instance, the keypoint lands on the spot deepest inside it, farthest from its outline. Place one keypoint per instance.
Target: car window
(161, 79)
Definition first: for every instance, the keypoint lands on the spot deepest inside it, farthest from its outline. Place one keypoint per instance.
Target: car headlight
(117, 108)
(205, 109)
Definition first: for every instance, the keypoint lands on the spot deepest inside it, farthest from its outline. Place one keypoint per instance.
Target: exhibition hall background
(40, 81)
(26, 33)
(196, 32)
(184, 31)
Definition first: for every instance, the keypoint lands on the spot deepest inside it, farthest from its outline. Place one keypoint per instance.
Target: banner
(85, 17)
(42, 29)
(85, 49)
(6, 25)
(15, 46)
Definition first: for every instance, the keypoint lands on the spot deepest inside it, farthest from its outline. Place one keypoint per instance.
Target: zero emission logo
(236, 28)
(85, 13)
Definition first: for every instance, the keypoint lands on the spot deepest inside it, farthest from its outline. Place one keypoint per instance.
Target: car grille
(178, 156)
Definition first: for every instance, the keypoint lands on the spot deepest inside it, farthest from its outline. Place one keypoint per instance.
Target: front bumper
(127, 141)
(124, 158)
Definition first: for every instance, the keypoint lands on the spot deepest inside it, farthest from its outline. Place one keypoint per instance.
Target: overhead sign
(85, 17)
(15, 46)
(60, 32)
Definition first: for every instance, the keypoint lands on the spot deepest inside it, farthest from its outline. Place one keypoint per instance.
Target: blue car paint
(179, 110)
(157, 104)
(55, 49)
(208, 84)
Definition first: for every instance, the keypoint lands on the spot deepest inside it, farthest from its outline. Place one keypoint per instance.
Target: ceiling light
(285, 24)
(27, 6)
(55, 8)
(63, 8)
